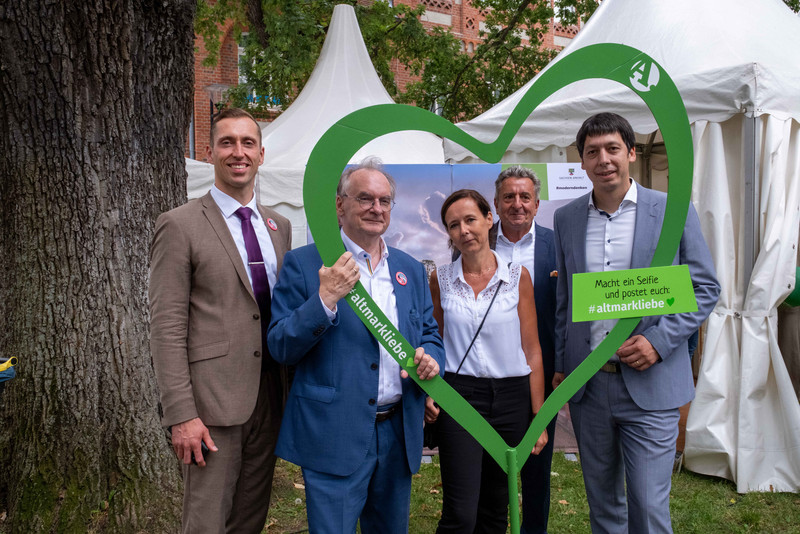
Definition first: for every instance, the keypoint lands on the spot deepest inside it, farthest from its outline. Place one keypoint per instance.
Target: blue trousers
(624, 447)
(378, 493)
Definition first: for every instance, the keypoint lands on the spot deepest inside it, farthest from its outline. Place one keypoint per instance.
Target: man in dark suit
(517, 238)
(213, 262)
(353, 420)
(626, 416)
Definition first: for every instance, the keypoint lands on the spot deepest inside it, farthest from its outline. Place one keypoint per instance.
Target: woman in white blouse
(501, 375)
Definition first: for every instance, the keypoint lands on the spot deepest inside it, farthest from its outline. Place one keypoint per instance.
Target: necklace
(481, 272)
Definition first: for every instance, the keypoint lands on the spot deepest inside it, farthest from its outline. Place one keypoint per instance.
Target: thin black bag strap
(480, 325)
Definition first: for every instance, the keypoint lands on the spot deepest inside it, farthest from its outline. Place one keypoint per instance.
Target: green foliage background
(284, 39)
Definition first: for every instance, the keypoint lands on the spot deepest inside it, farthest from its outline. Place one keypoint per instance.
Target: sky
(416, 224)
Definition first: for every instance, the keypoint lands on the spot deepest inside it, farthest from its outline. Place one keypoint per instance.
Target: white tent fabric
(200, 178)
(737, 66)
(743, 61)
(344, 80)
(744, 423)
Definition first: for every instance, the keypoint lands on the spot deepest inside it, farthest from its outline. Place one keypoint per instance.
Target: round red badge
(272, 225)
(401, 278)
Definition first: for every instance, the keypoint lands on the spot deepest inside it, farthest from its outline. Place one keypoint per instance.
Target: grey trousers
(624, 447)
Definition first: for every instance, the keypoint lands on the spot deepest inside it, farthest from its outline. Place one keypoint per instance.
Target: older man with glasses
(353, 420)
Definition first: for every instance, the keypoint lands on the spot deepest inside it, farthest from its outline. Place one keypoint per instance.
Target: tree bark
(95, 100)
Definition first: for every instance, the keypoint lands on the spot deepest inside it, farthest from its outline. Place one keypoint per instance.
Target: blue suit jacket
(330, 414)
(667, 384)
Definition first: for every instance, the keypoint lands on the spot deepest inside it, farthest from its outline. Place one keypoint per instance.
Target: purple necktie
(258, 274)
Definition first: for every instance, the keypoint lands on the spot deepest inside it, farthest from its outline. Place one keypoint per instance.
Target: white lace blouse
(497, 353)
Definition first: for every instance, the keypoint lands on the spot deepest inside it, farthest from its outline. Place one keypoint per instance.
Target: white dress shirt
(228, 206)
(497, 352)
(609, 245)
(521, 252)
(377, 280)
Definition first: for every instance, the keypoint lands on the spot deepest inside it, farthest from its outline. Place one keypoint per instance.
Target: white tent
(344, 80)
(737, 66)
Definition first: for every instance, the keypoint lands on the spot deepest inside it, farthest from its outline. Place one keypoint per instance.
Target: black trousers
(474, 486)
(535, 476)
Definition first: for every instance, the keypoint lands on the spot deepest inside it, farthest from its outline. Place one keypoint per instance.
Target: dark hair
(605, 123)
(454, 197)
(517, 171)
(369, 163)
(232, 113)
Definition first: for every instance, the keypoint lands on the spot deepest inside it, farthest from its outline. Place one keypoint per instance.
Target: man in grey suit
(626, 417)
(214, 261)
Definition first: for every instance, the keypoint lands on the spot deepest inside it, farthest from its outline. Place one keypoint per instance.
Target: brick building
(459, 16)
(209, 85)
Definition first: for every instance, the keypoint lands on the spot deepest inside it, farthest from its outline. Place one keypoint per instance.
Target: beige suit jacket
(205, 325)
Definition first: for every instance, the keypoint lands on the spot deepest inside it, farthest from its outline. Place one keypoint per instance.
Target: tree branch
(255, 20)
(498, 40)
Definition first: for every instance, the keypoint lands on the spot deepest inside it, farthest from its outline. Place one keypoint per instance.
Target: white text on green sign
(632, 293)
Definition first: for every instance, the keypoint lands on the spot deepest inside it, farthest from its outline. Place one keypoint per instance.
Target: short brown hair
(455, 196)
(232, 113)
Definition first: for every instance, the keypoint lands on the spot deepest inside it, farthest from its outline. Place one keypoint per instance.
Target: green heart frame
(341, 141)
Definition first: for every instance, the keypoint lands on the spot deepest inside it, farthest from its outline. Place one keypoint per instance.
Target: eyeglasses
(386, 203)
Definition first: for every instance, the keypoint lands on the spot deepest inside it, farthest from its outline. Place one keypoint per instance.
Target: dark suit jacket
(667, 384)
(330, 415)
(544, 294)
(205, 325)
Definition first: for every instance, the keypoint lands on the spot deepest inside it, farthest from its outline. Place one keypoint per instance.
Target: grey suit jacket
(669, 383)
(205, 325)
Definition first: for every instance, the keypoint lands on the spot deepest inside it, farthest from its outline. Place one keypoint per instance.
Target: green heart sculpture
(628, 66)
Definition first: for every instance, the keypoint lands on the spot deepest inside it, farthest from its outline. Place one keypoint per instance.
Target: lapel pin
(272, 225)
(553, 274)
(401, 278)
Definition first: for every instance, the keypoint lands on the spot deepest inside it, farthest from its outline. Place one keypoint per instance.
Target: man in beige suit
(213, 263)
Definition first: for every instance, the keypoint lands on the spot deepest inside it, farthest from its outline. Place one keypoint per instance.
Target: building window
(239, 58)
(442, 6)
(253, 98)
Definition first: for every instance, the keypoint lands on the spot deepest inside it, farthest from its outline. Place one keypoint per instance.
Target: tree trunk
(95, 100)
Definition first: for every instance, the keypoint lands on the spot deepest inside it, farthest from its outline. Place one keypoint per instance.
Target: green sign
(632, 293)
(615, 62)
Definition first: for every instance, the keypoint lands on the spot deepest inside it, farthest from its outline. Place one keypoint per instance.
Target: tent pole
(646, 152)
(751, 220)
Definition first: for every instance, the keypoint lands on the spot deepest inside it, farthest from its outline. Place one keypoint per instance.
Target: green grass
(699, 504)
